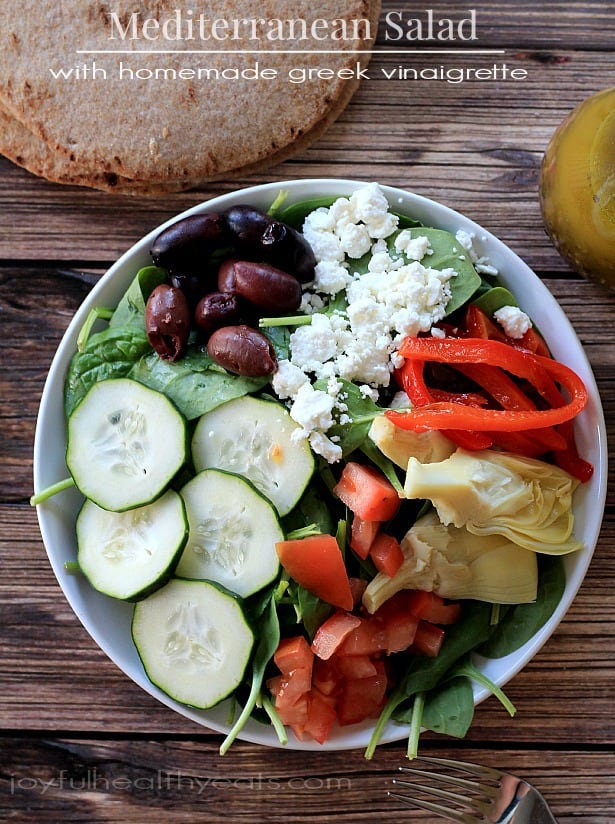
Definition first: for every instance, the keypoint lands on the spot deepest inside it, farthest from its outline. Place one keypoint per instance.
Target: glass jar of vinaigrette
(577, 188)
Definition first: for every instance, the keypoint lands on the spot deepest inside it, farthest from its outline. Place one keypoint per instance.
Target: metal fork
(491, 797)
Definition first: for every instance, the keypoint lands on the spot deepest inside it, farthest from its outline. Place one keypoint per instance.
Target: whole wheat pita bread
(30, 152)
(175, 133)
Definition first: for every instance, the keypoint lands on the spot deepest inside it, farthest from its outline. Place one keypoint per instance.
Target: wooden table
(80, 742)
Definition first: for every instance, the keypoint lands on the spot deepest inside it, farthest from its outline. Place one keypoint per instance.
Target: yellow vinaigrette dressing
(577, 188)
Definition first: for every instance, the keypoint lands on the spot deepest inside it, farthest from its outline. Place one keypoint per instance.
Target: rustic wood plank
(92, 780)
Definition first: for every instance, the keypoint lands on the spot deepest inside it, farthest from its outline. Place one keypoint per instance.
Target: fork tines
(475, 800)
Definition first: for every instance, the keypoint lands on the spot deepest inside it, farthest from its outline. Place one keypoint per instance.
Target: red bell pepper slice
(541, 372)
(410, 378)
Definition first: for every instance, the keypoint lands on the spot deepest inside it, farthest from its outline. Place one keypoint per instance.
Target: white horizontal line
(292, 51)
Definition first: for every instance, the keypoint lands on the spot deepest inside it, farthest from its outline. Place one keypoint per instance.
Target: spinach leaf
(280, 340)
(295, 214)
(268, 633)
(310, 611)
(423, 674)
(522, 621)
(447, 253)
(449, 708)
(311, 509)
(360, 409)
(493, 299)
(195, 384)
(130, 310)
(111, 353)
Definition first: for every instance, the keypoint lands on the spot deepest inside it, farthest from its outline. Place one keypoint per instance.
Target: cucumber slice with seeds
(259, 440)
(193, 640)
(233, 532)
(126, 443)
(129, 554)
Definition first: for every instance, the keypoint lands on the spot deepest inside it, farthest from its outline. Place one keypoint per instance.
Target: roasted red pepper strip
(541, 372)
(496, 383)
(477, 324)
(410, 378)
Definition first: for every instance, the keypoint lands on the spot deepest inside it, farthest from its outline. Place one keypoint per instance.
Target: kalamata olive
(262, 236)
(167, 321)
(264, 285)
(187, 244)
(242, 350)
(215, 310)
(226, 275)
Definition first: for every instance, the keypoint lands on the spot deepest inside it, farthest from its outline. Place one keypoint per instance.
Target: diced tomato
(293, 653)
(367, 638)
(316, 563)
(326, 677)
(331, 634)
(397, 621)
(428, 639)
(362, 535)
(320, 717)
(357, 587)
(362, 698)
(353, 667)
(431, 607)
(294, 715)
(367, 492)
(386, 553)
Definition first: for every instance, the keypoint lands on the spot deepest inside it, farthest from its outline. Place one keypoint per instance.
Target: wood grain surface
(79, 742)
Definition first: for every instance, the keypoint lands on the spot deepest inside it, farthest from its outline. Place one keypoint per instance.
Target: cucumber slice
(129, 554)
(193, 640)
(233, 532)
(125, 444)
(254, 438)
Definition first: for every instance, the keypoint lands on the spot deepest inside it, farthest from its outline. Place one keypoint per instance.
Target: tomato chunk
(431, 607)
(368, 638)
(293, 653)
(362, 535)
(321, 716)
(362, 698)
(428, 639)
(316, 563)
(331, 634)
(386, 553)
(367, 492)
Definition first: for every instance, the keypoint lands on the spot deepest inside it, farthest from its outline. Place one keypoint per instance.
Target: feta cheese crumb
(481, 262)
(413, 248)
(514, 322)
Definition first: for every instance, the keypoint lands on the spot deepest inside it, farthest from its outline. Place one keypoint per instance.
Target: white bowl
(108, 620)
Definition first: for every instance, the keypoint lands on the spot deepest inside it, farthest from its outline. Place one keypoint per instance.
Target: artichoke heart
(399, 445)
(523, 499)
(455, 564)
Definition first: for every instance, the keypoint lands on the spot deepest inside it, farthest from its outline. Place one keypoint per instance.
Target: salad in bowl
(327, 465)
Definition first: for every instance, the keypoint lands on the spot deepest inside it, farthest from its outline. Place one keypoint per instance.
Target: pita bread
(133, 132)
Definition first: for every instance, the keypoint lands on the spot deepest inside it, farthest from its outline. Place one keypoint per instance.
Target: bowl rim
(50, 514)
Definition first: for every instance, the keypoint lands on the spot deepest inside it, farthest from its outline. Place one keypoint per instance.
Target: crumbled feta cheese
(288, 379)
(330, 277)
(312, 408)
(324, 446)
(514, 322)
(355, 240)
(413, 248)
(481, 263)
(314, 344)
(358, 342)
